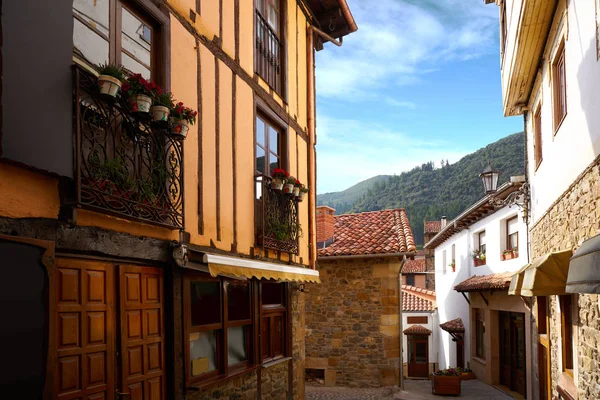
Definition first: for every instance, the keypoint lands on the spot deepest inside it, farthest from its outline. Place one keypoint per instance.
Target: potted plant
(509, 254)
(182, 117)
(109, 80)
(303, 191)
(478, 257)
(279, 177)
(288, 187)
(139, 93)
(466, 374)
(515, 252)
(297, 186)
(162, 104)
(453, 265)
(446, 381)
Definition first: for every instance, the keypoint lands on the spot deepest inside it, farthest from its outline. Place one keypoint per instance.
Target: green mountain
(428, 192)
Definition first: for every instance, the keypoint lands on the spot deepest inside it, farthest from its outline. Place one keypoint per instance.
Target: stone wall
(352, 330)
(274, 382)
(568, 222)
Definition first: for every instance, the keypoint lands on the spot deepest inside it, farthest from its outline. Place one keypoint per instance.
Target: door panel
(418, 356)
(142, 332)
(85, 322)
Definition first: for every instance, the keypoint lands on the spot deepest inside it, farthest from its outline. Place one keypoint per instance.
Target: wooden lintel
(484, 298)
(466, 298)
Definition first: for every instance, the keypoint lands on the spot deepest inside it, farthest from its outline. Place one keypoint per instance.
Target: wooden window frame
(508, 235)
(537, 137)
(566, 334)
(503, 29)
(559, 86)
(479, 335)
(151, 15)
(272, 311)
(261, 110)
(479, 242)
(281, 35)
(222, 370)
(542, 315)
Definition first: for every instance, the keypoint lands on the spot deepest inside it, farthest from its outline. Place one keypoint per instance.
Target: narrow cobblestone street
(414, 390)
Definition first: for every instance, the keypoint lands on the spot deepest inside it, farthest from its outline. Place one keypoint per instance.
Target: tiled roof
(376, 232)
(433, 226)
(417, 330)
(414, 266)
(480, 283)
(453, 326)
(417, 299)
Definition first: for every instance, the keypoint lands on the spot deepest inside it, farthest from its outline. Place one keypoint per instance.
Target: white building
(495, 325)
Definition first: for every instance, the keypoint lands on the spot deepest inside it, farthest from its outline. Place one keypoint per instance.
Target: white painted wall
(432, 325)
(452, 304)
(576, 144)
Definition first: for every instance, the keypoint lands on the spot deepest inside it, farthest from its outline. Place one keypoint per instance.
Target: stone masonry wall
(572, 219)
(352, 330)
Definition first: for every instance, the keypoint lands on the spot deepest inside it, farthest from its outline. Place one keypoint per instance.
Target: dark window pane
(260, 131)
(273, 140)
(260, 160)
(277, 339)
(236, 348)
(273, 163)
(272, 293)
(238, 301)
(203, 352)
(410, 280)
(265, 336)
(206, 303)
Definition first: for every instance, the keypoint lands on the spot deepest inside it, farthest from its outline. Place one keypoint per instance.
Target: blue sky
(419, 81)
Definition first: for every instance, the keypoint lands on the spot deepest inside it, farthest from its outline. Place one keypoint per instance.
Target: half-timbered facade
(168, 266)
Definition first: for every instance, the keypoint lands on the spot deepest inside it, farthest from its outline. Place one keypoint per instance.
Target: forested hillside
(432, 190)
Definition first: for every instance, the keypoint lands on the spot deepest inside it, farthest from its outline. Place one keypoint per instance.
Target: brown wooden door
(85, 330)
(460, 352)
(505, 349)
(512, 351)
(418, 356)
(142, 333)
(544, 370)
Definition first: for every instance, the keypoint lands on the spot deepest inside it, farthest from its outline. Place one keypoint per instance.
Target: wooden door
(85, 326)
(505, 349)
(460, 352)
(418, 356)
(142, 372)
(513, 368)
(544, 371)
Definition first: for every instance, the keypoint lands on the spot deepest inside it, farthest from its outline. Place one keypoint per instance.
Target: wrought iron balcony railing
(277, 222)
(268, 54)
(126, 165)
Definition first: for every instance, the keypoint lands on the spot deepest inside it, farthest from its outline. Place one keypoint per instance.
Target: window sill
(566, 386)
(275, 362)
(479, 360)
(193, 387)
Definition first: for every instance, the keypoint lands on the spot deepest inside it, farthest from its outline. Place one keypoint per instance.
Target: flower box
(467, 376)
(441, 384)
(478, 262)
(509, 255)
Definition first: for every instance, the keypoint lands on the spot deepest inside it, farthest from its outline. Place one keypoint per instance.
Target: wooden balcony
(125, 164)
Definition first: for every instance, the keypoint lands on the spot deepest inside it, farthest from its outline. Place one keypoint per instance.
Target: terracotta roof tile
(453, 326)
(433, 226)
(479, 283)
(414, 266)
(376, 232)
(417, 330)
(417, 299)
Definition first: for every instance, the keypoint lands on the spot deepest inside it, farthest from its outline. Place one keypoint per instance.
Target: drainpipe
(400, 323)
(312, 179)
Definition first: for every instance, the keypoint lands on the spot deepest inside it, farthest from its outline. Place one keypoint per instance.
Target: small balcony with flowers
(129, 137)
(276, 211)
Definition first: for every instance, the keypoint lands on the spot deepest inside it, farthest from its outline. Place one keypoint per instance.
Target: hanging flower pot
(181, 128)
(160, 113)
(140, 103)
(296, 191)
(109, 85)
(303, 192)
(277, 184)
(288, 188)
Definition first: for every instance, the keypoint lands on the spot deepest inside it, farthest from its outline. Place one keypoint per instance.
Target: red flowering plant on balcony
(140, 92)
(181, 112)
(280, 174)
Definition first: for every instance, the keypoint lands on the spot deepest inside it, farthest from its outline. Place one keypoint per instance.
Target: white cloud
(350, 151)
(398, 41)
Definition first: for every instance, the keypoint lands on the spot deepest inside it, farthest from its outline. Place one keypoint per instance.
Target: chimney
(444, 222)
(325, 222)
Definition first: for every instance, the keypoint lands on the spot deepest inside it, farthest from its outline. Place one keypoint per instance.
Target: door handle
(120, 394)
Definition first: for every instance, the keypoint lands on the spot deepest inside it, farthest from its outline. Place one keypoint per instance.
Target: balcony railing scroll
(126, 165)
(278, 225)
(268, 53)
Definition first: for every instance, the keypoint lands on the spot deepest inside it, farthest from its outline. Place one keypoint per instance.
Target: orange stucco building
(168, 267)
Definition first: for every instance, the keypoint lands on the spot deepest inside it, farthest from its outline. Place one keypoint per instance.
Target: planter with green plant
(288, 187)
(453, 265)
(446, 381)
(139, 93)
(478, 257)
(182, 117)
(162, 104)
(297, 186)
(466, 374)
(509, 254)
(109, 80)
(303, 191)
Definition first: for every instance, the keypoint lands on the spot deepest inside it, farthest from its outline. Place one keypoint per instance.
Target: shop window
(274, 313)
(479, 334)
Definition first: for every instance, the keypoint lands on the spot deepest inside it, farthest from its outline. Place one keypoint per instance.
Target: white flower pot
(109, 85)
(277, 184)
(181, 127)
(288, 188)
(140, 103)
(160, 113)
(302, 194)
(296, 191)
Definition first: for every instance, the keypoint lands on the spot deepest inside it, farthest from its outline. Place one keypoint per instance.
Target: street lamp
(489, 177)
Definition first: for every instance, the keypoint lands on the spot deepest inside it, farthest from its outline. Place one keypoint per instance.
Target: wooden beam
(466, 298)
(484, 299)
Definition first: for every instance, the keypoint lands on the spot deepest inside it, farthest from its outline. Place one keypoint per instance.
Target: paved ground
(414, 390)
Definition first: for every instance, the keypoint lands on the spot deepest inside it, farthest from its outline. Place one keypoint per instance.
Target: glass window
(206, 303)
(272, 293)
(273, 322)
(512, 232)
(236, 349)
(566, 333)
(482, 245)
(479, 334)
(203, 352)
(268, 60)
(537, 138)
(559, 83)
(238, 294)
(90, 30)
(410, 280)
(268, 142)
(136, 44)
